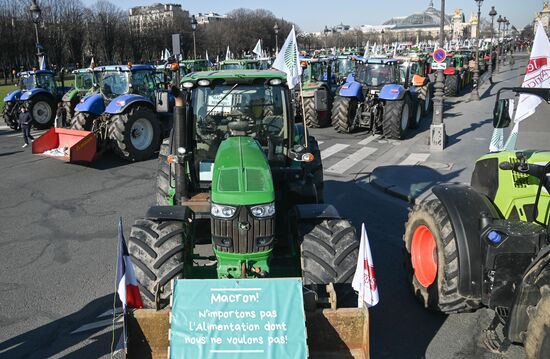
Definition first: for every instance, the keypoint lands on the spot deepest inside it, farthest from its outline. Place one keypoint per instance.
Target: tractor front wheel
(431, 259)
(10, 116)
(82, 121)
(136, 134)
(42, 110)
(344, 110)
(537, 343)
(156, 249)
(329, 251)
(396, 118)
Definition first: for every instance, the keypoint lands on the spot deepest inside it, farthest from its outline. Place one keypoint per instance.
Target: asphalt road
(58, 237)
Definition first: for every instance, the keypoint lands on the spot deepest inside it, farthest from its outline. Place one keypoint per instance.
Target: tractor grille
(243, 233)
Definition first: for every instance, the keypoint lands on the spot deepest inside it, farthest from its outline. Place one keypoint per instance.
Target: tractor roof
(200, 61)
(36, 72)
(239, 61)
(82, 71)
(124, 68)
(371, 60)
(235, 74)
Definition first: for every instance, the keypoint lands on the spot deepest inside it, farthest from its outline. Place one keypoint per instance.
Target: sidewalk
(412, 169)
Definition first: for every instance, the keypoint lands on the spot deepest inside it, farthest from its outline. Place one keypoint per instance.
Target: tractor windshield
(46, 81)
(262, 107)
(376, 75)
(114, 83)
(84, 81)
(26, 82)
(344, 67)
(143, 83)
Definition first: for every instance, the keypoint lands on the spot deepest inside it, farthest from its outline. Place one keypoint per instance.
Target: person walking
(25, 122)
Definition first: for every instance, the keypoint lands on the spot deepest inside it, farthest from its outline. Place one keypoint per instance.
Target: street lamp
(507, 26)
(194, 28)
(36, 13)
(437, 129)
(492, 14)
(500, 20)
(326, 31)
(475, 93)
(276, 29)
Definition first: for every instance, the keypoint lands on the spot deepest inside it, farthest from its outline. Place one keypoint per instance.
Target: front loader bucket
(341, 333)
(66, 145)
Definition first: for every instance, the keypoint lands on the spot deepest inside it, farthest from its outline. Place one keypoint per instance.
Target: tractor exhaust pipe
(180, 145)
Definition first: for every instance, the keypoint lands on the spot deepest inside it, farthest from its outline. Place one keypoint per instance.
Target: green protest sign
(238, 318)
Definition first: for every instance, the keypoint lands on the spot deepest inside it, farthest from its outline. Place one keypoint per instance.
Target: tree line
(71, 34)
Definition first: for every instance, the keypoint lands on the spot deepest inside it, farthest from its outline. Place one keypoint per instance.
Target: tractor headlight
(222, 211)
(264, 210)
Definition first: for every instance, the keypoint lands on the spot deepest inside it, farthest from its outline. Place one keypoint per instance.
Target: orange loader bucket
(66, 145)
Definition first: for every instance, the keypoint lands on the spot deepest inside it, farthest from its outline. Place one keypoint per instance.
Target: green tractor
(318, 87)
(488, 244)
(85, 83)
(240, 178)
(239, 174)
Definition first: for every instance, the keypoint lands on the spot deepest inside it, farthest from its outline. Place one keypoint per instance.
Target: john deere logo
(244, 226)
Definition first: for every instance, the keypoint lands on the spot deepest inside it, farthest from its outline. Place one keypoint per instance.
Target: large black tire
(451, 85)
(425, 96)
(537, 342)
(165, 175)
(430, 228)
(10, 116)
(136, 134)
(344, 110)
(329, 251)
(82, 121)
(314, 118)
(416, 115)
(156, 249)
(69, 107)
(42, 109)
(396, 118)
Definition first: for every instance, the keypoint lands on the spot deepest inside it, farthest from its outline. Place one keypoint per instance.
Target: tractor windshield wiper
(223, 98)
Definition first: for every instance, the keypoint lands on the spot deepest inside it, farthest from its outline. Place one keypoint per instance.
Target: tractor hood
(241, 173)
(13, 96)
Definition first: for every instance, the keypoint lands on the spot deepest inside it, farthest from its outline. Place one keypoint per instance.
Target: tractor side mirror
(501, 113)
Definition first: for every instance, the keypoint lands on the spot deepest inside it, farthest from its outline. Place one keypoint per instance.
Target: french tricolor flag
(127, 284)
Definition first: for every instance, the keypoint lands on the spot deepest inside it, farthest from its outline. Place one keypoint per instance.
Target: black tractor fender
(316, 211)
(536, 275)
(464, 206)
(168, 213)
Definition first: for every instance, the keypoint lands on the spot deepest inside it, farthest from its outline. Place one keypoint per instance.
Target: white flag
(288, 61)
(395, 49)
(227, 53)
(364, 281)
(537, 76)
(258, 48)
(92, 63)
(366, 54)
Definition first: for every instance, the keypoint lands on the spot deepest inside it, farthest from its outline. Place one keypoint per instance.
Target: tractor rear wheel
(69, 107)
(451, 85)
(416, 117)
(431, 259)
(82, 121)
(42, 110)
(156, 249)
(10, 117)
(344, 110)
(537, 343)
(396, 118)
(329, 251)
(425, 95)
(314, 118)
(165, 175)
(136, 134)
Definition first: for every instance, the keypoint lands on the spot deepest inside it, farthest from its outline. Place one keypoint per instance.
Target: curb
(390, 189)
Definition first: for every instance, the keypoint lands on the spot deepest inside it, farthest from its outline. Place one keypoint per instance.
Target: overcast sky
(313, 15)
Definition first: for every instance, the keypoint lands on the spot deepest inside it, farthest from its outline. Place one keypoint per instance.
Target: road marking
(33, 133)
(98, 324)
(4, 127)
(414, 158)
(320, 142)
(351, 160)
(368, 140)
(110, 312)
(332, 150)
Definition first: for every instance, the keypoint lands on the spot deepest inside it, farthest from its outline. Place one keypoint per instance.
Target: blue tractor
(131, 112)
(37, 91)
(377, 97)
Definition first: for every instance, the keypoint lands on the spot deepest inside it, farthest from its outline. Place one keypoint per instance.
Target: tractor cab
(375, 73)
(188, 66)
(343, 66)
(315, 70)
(44, 79)
(116, 81)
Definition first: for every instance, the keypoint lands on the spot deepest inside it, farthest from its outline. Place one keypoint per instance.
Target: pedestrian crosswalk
(344, 156)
